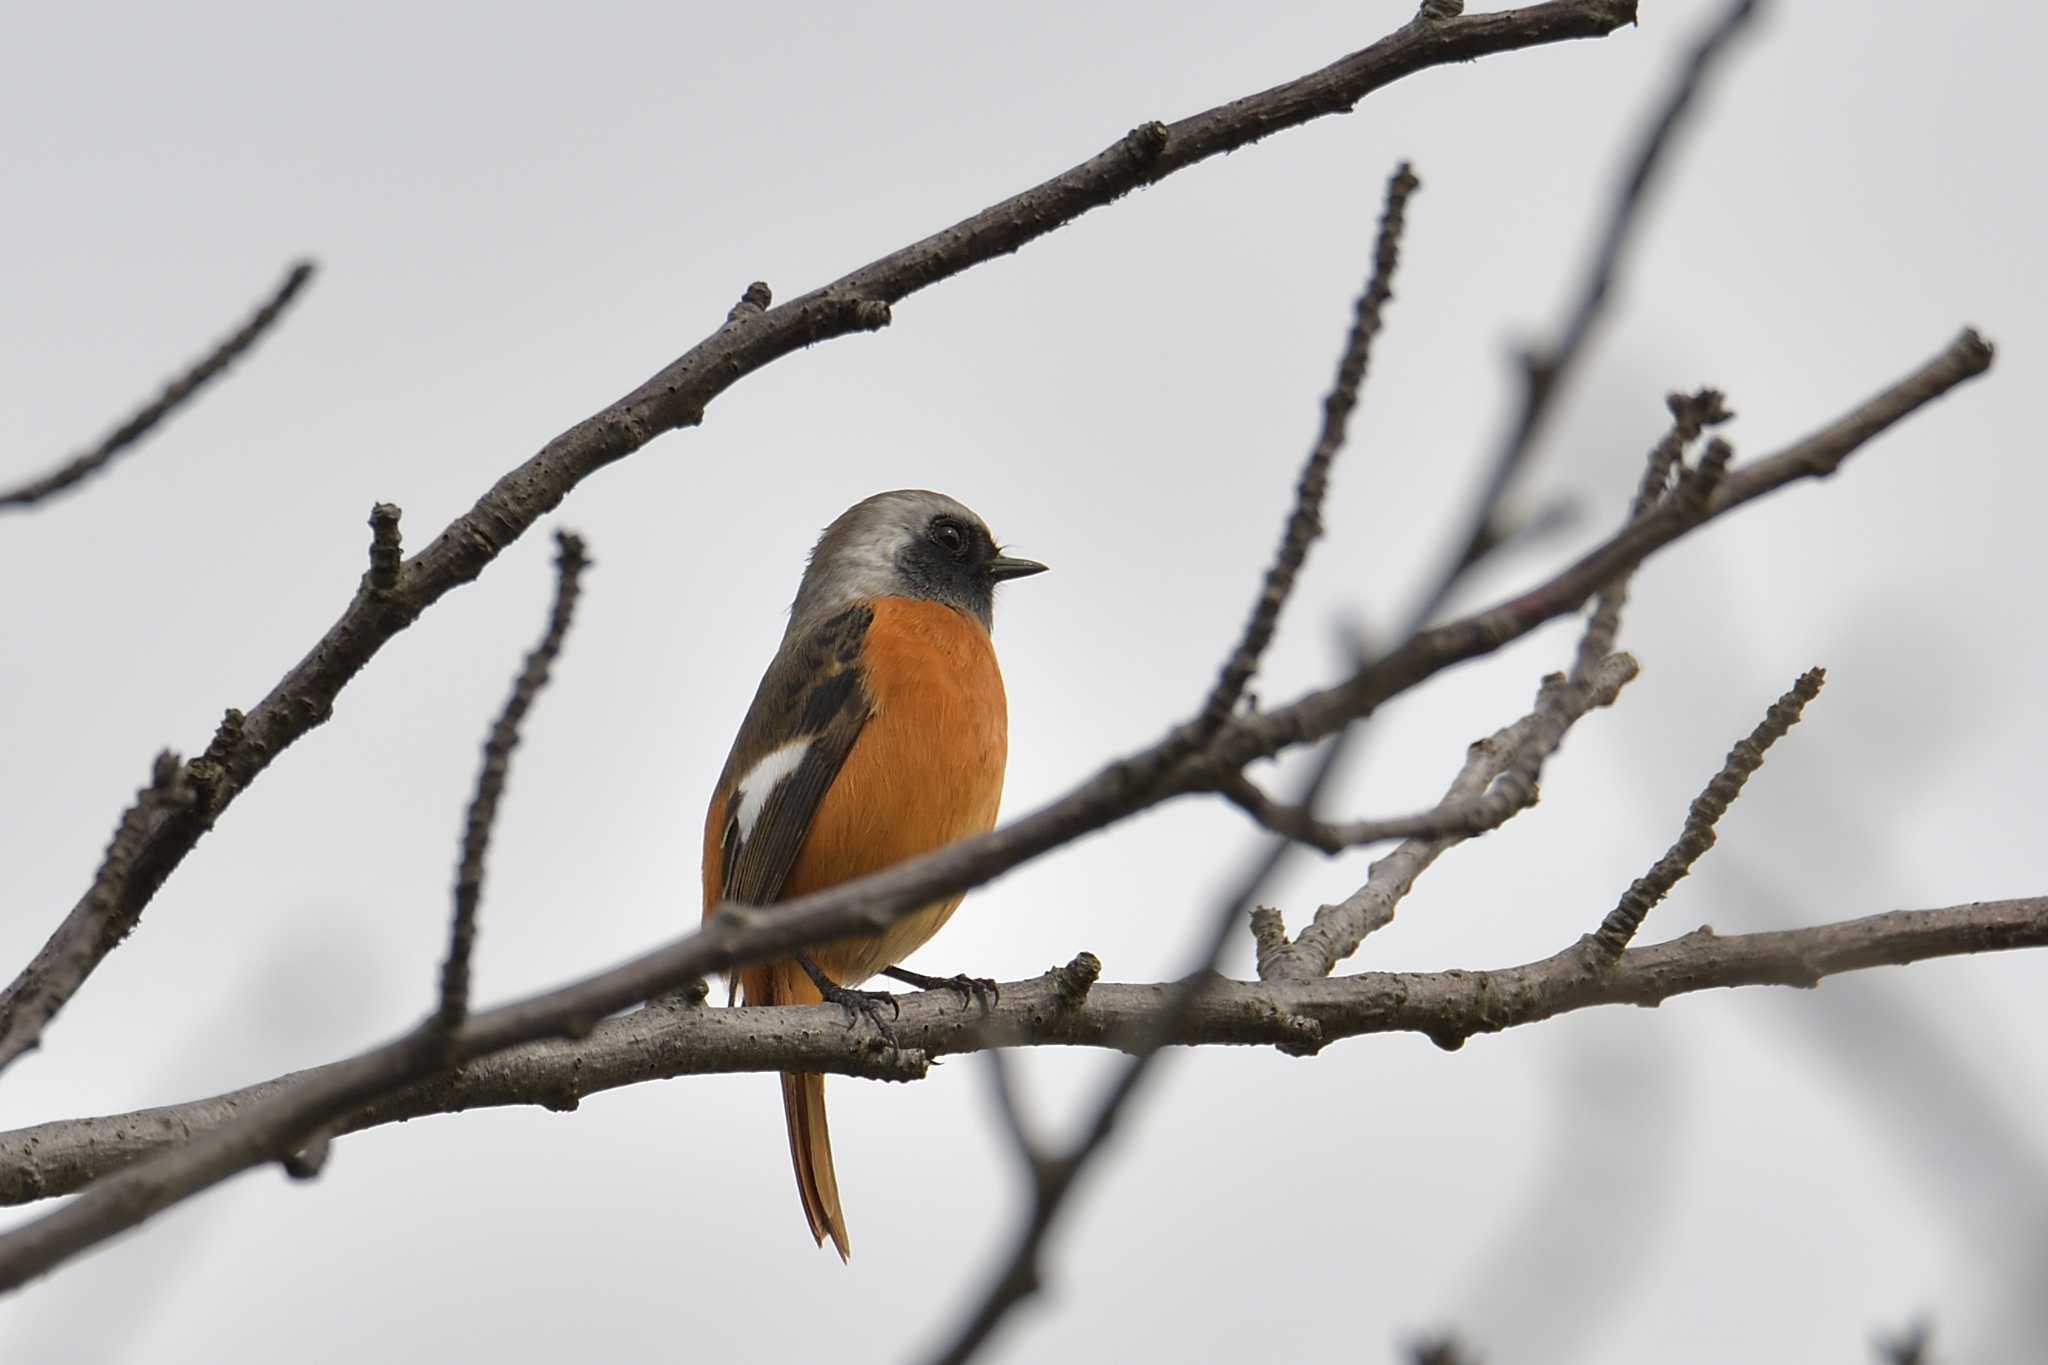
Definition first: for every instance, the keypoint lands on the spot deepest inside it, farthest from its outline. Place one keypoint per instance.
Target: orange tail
(803, 1108)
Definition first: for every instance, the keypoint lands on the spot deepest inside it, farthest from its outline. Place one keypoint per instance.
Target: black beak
(1002, 568)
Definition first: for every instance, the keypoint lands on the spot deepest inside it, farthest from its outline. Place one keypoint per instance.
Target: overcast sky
(520, 213)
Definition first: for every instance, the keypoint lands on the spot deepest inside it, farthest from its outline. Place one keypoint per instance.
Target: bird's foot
(857, 1004)
(978, 990)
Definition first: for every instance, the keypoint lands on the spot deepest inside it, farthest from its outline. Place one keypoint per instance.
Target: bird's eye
(949, 536)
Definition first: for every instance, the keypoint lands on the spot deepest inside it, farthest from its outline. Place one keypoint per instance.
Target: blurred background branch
(175, 395)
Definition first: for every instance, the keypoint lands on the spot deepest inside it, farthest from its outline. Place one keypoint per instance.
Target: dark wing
(812, 692)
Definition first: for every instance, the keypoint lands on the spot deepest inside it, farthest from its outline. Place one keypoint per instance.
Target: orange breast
(926, 770)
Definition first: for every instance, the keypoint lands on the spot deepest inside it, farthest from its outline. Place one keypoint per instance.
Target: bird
(879, 731)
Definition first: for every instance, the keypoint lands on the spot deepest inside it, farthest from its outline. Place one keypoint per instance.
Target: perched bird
(879, 732)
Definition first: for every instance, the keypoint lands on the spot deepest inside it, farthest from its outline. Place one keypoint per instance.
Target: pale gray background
(521, 212)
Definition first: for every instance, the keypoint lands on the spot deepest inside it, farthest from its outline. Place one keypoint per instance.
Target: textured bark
(1060, 1008)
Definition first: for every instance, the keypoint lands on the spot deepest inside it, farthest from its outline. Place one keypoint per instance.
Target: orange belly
(926, 770)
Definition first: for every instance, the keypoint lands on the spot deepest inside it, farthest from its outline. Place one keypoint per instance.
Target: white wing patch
(752, 791)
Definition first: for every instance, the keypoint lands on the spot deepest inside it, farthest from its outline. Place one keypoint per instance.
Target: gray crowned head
(906, 543)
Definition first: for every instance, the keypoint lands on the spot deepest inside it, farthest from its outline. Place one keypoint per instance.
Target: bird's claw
(866, 1005)
(978, 990)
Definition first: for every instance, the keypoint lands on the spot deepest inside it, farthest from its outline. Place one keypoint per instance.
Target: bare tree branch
(106, 914)
(1063, 1008)
(756, 334)
(1338, 929)
(176, 394)
(490, 779)
(1544, 370)
(185, 794)
(1476, 802)
(1485, 809)
(1708, 807)
(1499, 777)
(300, 1138)
(1815, 456)
(739, 935)
(128, 874)
(1305, 522)
(1322, 712)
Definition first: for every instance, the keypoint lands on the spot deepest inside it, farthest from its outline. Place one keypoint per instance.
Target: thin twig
(1696, 483)
(490, 780)
(175, 395)
(1815, 456)
(1691, 414)
(1269, 938)
(1336, 836)
(1305, 522)
(105, 917)
(1338, 929)
(1468, 809)
(1474, 805)
(1485, 811)
(1708, 807)
(300, 1139)
(1544, 370)
(543, 1070)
